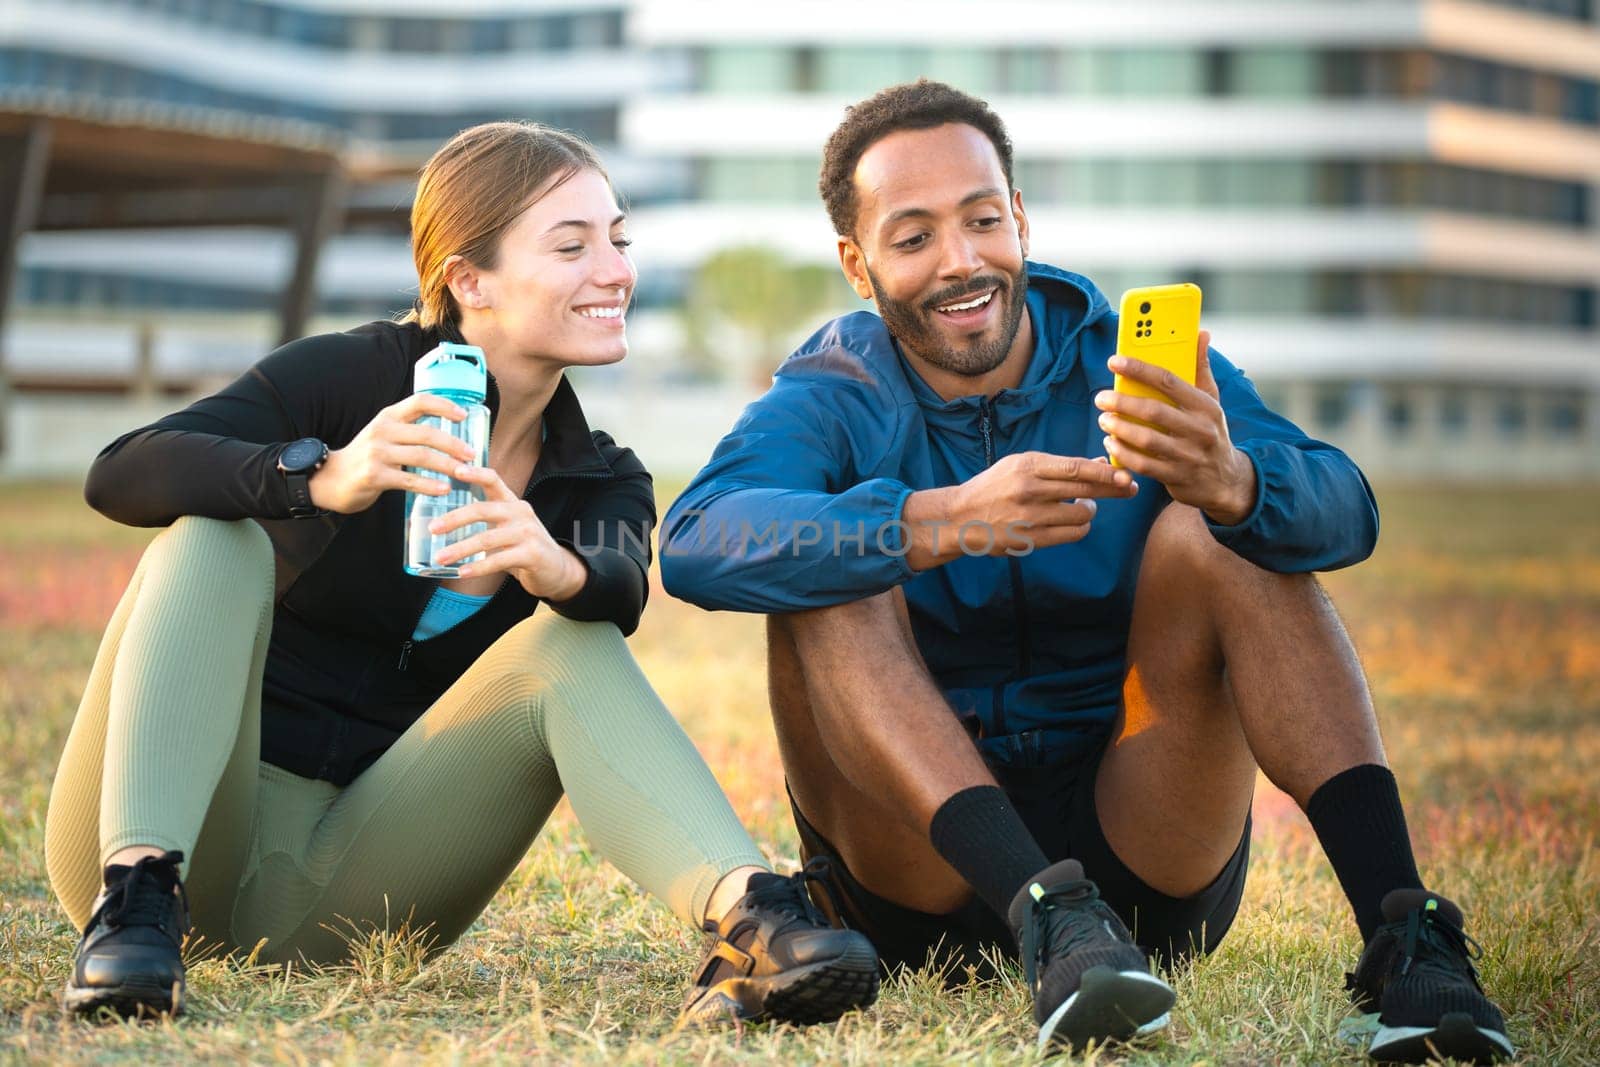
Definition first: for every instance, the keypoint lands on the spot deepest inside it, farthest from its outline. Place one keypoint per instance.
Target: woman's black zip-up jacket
(343, 677)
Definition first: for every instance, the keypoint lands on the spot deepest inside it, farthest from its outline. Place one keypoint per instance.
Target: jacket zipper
(405, 648)
(1014, 567)
(986, 429)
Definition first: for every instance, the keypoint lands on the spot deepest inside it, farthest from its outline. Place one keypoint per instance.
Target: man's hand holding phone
(1183, 444)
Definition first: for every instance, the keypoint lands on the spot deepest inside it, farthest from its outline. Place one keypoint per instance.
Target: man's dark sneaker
(1417, 975)
(130, 959)
(774, 956)
(1090, 982)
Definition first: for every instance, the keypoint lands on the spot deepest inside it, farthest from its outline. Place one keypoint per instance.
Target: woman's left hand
(516, 542)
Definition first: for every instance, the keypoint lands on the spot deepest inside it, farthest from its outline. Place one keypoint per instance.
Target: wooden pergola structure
(68, 163)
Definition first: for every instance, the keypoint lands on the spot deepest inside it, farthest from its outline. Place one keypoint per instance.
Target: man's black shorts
(1057, 804)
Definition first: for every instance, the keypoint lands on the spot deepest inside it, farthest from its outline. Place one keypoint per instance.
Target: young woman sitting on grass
(288, 734)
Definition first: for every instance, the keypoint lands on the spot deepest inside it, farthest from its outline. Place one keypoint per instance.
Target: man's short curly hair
(918, 105)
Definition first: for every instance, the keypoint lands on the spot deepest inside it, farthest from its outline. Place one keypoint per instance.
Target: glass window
(331, 31)
(417, 35)
(1291, 72)
(752, 69)
(557, 31)
(1453, 412)
(1332, 405)
(1563, 416)
(1581, 102)
(1182, 183)
(1257, 183)
(1284, 182)
(1156, 182)
(489, 35)
(1041, 180)
(1261, 292)
(1287, 292)
(805, 69)
(1511, 414)
(541, 34)
(1397, 412)
(253, 19)
(865, 70)
(1155, 72)
(760, 180)
(600, 29)
(970, 69)
(1274, 395)
(1028, 70)
(1081, 181)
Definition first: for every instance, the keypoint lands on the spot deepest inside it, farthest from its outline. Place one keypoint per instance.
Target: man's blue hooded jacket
(800, 507)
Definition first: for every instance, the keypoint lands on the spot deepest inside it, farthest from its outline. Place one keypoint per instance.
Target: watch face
(303, 455)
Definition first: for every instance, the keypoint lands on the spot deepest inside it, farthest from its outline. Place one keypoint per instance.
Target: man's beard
(913, 324)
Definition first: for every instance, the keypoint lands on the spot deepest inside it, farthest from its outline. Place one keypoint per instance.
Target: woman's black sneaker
(130, 959)
(1089, 981)
(774, 956)
(1417, 974)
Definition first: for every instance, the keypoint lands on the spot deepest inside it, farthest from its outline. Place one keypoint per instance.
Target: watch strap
(300, 505)
(297, 476)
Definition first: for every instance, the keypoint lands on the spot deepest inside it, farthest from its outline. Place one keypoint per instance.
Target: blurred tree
(758, 290)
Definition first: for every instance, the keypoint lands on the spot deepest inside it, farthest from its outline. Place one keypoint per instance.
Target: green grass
(1478, 621)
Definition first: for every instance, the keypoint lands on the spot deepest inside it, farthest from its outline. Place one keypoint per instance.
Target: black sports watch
(298, 461)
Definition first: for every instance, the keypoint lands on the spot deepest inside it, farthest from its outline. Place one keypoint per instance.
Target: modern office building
(1390, 204)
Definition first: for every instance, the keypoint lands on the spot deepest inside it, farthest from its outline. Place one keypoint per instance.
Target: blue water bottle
(459, 374)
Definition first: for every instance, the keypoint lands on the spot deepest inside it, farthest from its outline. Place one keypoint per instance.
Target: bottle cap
(452, 368)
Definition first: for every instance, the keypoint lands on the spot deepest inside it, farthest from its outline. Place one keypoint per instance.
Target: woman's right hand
(354, 476)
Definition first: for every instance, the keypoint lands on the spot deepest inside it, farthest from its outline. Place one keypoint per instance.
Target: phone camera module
(1144, 308)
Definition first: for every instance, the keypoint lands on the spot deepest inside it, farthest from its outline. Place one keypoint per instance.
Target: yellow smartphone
(1159, 324)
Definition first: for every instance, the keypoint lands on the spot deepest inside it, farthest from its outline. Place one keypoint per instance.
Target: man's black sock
(980, 834)
(1362, 827)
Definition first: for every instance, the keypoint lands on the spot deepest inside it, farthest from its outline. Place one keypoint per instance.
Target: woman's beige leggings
(165, 752)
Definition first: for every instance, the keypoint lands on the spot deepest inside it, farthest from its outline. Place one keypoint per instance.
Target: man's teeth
(970, 304)
(600, 313)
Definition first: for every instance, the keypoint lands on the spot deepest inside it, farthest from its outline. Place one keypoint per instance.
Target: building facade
(1390, 204)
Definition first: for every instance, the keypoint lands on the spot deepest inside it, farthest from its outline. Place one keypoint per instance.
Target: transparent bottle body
(422, 546)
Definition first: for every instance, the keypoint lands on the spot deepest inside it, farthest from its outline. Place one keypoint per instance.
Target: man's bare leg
(870, 747)
(878, 764)
(1230, 667)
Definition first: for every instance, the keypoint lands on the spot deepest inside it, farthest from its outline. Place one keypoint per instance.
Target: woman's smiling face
(561, 283)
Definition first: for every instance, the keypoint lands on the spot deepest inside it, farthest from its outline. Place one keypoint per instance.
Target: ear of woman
(465, 283)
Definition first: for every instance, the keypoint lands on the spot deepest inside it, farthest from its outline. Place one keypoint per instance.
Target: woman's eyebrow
(580, 224)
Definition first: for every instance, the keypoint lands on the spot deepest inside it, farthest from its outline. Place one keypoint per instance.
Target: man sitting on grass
(1021, 695)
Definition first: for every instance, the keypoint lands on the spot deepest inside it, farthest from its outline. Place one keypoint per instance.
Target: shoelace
(143, 898)
(789, 896)
(1438, 946)
(1087, 919)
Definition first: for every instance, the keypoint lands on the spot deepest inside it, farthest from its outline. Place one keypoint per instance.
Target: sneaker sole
(1109, 1005)
(817, 993)
(133, 999)
(1456, 1037)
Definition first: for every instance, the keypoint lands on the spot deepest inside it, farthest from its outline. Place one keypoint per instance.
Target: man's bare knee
(1180, 537)
(871, 625)
(1181, 549)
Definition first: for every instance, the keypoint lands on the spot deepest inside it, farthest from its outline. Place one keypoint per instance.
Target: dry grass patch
(1478, 620)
